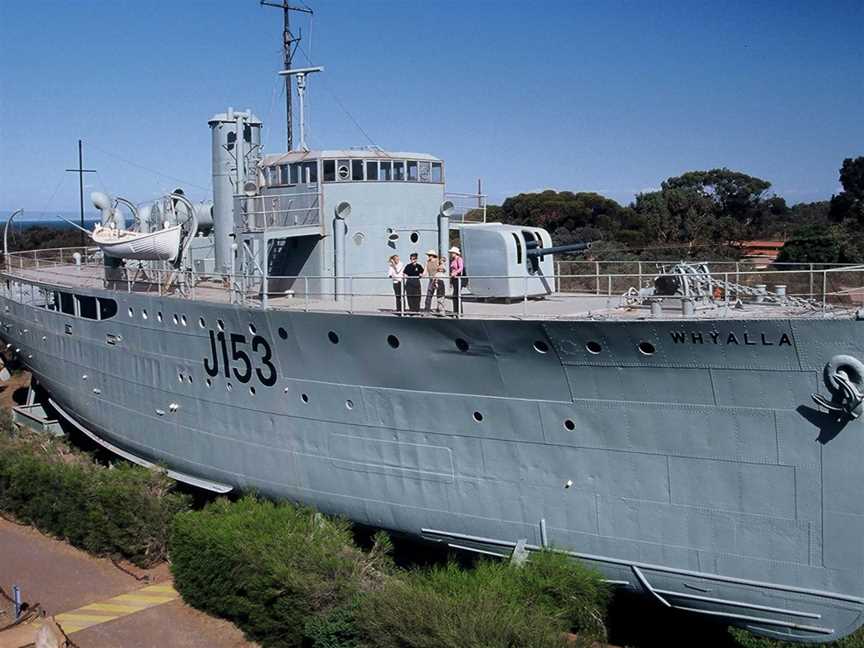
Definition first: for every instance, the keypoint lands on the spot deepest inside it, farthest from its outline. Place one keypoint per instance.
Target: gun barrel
(535, 251)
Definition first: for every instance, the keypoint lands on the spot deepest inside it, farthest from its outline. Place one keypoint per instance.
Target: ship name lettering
(715, 337)
(241, 364)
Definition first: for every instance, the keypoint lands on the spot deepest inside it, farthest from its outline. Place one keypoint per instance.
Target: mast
(289, 47)
(81, 171)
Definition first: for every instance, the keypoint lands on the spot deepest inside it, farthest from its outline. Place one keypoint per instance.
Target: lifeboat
(161, 245)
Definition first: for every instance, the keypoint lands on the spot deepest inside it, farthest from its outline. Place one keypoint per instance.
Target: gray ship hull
(699, 473)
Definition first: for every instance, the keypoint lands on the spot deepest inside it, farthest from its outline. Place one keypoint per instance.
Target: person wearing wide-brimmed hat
(435, 273)
(457, 271)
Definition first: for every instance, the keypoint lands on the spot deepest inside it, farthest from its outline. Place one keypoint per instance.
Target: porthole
(646, 348)
(202, 323)
(462, 345)
(252, 391)
(189, 379)
(349, 404)
(220, 324)
(283, 333)
(175, 319)
(414, 237)
(252, 329)
(593, 347)
(393, 341)
(144, 314)
(569, 425)
(228, 386)
(131, 312)
(159, 316)
(183, 320)
(180, 376)
(209, 382)
(304, 398)
(334, 337)
(478, 417)
(541, 347)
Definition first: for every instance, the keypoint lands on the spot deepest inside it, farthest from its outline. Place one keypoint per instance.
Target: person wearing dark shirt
(412, 273)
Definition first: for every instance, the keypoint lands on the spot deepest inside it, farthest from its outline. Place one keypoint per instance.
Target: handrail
(42, 269)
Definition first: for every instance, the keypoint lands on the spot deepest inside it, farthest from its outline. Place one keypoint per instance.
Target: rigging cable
(149, 170)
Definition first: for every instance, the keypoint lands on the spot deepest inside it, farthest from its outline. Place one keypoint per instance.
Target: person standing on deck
(413, 271)
(435, 283)
(457, 269)
(394, 271)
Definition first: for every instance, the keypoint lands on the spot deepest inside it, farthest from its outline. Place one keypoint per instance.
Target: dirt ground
(62, 578)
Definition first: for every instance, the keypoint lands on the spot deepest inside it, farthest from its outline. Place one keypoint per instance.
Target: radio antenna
(289, 47)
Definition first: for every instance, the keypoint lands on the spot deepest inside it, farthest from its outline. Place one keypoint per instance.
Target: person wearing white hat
(436, 282)
(457, 270)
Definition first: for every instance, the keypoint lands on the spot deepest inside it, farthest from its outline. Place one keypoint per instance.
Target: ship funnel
(236, 148)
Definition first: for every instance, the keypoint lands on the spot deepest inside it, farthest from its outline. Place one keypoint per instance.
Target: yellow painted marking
(109, 607)
(116, 607)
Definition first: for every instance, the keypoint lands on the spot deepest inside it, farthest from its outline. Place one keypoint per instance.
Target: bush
(493, 605)
(123, 511)
(270, 568)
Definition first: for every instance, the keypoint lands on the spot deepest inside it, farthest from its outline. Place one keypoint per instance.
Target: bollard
(780, 290)
(688, 309)
(760, 293)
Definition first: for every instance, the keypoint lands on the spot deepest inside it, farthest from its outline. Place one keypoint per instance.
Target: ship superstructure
(690, 430)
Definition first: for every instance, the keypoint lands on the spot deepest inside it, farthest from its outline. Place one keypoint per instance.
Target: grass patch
(122, 511)
(290, 577)
(494, 604)
(744, 639)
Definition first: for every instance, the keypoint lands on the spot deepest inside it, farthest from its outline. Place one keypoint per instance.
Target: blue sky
(611, 97)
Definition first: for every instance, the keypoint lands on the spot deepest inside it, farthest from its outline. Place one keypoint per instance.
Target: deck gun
(535, 252)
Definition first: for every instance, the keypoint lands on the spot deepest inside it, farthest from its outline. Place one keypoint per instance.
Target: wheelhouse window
(437, 172)
(283, 174)
(385, 171)
(371, 170)
(329, 170)
(359, 170)
(310, 172)
(295, 173)
(412, 171)
(424, 171)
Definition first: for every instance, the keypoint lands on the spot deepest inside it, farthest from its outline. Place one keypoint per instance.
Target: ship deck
(810, 293)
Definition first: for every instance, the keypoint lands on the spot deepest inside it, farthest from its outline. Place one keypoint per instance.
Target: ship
(691, 432)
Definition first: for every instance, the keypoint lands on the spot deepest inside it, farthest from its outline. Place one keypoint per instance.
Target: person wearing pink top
(457, 270)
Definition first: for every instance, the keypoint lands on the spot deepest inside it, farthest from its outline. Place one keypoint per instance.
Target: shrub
(493, 605)
(270, 568)
(123, 511)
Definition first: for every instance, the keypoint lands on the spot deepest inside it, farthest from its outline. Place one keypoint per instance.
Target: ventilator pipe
(6, 236)
(340, 231)
(445, 211)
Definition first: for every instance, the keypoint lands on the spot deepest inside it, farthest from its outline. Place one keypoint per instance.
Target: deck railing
(803, 288)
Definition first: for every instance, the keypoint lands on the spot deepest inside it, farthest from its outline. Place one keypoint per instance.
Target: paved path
(98, 605)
